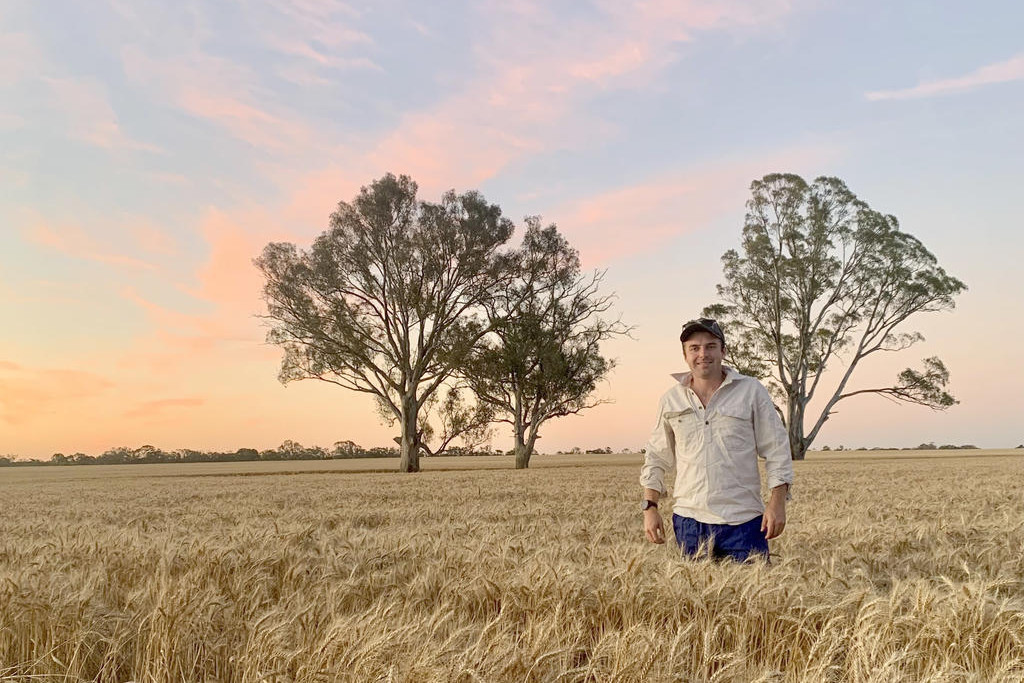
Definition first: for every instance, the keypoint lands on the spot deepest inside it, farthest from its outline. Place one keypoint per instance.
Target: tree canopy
(389, 300)
(542, 358)
(822, 282)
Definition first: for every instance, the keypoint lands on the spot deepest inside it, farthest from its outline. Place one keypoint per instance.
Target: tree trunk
(519, 428)
(410, 461)
(796, 445)
(524, 448)
(522, 452)
(795, 428)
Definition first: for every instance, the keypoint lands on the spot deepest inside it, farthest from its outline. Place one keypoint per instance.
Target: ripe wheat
(890, 570)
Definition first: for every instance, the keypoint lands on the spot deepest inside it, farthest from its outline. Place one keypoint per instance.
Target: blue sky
(149, 150)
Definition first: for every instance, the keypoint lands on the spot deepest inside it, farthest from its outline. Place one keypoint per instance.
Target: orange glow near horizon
(144, 172)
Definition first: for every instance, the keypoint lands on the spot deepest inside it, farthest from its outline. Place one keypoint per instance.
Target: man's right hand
(653, 526)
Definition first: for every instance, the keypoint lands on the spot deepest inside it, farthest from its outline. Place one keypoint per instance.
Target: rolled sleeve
(659, 454)
(772, 441)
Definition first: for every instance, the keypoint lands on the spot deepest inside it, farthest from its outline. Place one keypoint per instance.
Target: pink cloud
(623, 59)
(301, 74)
(229, 287)
(223, 329)
(303, 48)
(656, 211)
(1001, 72)
(526, 98)
(625, 45)
(244, 120)
(325, 22)
(164, 318)
(219, 91)
(312, 196)
(310, 40)
(74, 241)
(443, 148)
(229, 277)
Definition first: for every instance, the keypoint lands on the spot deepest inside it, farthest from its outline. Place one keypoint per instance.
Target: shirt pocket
(734, 427)
(686, 428)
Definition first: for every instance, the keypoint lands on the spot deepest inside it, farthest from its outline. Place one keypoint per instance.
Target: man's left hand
(774, 520)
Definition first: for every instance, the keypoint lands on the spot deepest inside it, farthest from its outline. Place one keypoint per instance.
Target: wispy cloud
(81, 105)
(1001, 72)
(74, 241)
(529, 96)
(307, 42)
(89, 117)
(668, 206)
(222, 328)
(220, 91)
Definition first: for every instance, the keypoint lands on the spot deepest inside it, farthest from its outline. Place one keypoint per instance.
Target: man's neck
(706, 388)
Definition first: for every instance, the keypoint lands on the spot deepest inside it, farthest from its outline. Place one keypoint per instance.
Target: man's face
(703, 352)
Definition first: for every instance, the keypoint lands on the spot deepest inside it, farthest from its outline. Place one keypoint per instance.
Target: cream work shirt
(714, 449)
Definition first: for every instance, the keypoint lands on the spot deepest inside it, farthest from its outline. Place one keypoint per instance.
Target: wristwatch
(648, 504)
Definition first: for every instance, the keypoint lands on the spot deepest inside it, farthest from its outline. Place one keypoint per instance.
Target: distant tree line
(289, 450)
(922, 447)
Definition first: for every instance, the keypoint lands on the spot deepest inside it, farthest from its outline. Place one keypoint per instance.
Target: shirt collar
(730, 376)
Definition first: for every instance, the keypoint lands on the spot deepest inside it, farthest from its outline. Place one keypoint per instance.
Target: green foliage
(388, 300)
(542, 359)
(822, 279)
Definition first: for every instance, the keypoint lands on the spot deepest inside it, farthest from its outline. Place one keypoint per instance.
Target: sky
(149, 150)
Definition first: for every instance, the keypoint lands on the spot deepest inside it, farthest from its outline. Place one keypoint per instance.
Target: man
(712, 426)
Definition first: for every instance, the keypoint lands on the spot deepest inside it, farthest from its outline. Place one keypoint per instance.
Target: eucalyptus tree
(389, 300)
(542, 358)
(821, 283)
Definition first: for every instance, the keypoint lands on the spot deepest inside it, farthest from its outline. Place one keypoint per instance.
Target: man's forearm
(779, 493)
(652, 495)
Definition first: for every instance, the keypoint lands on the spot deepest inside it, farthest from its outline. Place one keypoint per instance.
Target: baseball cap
(702, 325)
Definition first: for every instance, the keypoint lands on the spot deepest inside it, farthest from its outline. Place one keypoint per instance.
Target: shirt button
(707, 422)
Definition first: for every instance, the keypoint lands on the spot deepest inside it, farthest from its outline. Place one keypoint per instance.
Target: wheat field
(892, 568)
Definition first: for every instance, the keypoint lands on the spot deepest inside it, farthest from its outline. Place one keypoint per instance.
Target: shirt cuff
(651, 483)
(780, 482)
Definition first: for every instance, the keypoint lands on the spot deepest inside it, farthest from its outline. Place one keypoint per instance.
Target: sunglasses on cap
(702, 325)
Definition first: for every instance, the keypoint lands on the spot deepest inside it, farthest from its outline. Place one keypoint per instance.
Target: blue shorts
(737, 541)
